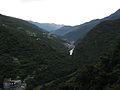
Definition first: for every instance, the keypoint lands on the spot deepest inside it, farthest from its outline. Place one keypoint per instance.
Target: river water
(71, 51)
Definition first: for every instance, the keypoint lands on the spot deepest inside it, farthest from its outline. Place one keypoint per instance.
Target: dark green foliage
(97, 42)
(41, 60)
(98, 58)
(104, 74)
(36, 61)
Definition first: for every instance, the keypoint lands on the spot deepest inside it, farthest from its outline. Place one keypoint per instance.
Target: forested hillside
(30, 53)
(41, 60)
(97, 42)
(104, 75)
(98, 56)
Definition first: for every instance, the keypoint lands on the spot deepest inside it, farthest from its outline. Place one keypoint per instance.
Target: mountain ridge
(98, 60)
(62, 31)
(76, 35)
(47, 26)
(26, 50)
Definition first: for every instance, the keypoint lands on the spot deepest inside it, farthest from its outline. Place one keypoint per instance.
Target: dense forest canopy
(26, 50)
(102, 72)
(41, 59)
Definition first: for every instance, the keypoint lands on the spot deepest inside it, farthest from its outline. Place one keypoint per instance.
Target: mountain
(98, 56)
(101, 50)
(75, 33)
(115, 15)
(31, 53)
(47, 26)
(97, 42)
(63, 30)
(103, 75)
(79, 33)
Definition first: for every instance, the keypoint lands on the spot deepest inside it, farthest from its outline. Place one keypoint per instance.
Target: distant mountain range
(47, 26)
(74, 33)
(77, 33)
(63, 30)
(80, 32)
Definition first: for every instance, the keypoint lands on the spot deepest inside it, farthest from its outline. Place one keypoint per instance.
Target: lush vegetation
(97, 42)
(102, 72)
(30, 53)
(40, 58)
(105, 75)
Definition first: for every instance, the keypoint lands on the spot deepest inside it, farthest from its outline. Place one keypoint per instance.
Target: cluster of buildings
(13, 84)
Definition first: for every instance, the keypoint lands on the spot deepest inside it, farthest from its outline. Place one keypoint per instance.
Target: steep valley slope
(28, 51)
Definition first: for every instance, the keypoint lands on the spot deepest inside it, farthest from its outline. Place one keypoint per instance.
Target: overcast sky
(68, 12)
